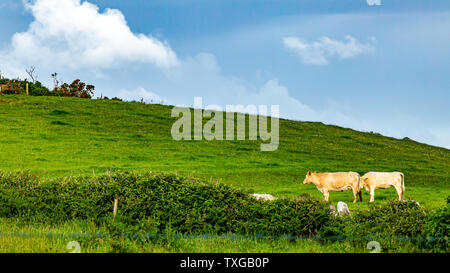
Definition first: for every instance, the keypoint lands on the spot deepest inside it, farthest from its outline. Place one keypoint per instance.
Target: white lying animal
(342, 209)
(264, 196)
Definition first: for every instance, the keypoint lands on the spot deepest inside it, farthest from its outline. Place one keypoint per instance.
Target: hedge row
(161, 204)
(157, 202)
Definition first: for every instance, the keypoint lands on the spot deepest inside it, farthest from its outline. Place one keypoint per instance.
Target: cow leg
(326, 195)
(355, 193)
(372, 195)
(399, 192)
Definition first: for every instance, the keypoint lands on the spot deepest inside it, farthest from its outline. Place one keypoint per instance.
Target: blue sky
(382, 68)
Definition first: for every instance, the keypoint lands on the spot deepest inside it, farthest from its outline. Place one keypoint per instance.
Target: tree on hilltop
(77, 89)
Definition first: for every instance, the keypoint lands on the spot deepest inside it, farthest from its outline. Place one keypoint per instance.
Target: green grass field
(53, 137)
(39, 238)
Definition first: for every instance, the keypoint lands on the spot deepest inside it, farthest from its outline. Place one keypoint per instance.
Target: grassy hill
(55, 136)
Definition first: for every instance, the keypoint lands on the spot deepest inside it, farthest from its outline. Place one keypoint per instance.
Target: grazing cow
(379, 180)
(326, 182)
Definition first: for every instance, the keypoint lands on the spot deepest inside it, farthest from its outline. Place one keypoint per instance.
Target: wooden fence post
(116, 204)
(26, 88)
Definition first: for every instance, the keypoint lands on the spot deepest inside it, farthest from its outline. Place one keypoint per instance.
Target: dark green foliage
(76, 89)
(36, 89)
(395, 225)
(19, 87)
(395, 218)
(156, 204)
(437, 230)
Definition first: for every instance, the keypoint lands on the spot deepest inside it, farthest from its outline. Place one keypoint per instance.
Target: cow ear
(314, 171)
(309, 172)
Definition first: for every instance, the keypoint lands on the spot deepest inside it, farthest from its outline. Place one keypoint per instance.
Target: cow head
(364, 183)
(309, 178)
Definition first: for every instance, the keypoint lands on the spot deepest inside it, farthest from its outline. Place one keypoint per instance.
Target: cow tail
(359, 188)
(403, 185)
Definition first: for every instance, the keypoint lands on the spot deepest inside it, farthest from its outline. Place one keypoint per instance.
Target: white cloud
(201, 76)
(141, 93)
(68, 33)
(319, 52)
(373, 2)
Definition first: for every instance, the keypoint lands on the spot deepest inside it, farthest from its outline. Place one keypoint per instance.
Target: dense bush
(19, 87)
(158, 204)
(11, 87)
(397, 226)
(401, 219)
(37, 89)
(76, 89)
(394, 224)
(168, 204)
(437, 230)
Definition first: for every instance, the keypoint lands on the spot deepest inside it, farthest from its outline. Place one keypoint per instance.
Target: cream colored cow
(383, 180)
(342, 181)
